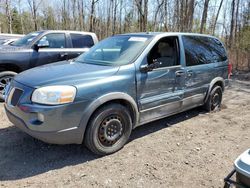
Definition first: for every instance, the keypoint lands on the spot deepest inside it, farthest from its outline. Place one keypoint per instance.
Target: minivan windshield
(26, 40)
(116, 50)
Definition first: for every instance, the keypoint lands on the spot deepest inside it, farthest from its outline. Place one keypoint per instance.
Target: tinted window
(55, 40)
(81, 41)
(203, 50)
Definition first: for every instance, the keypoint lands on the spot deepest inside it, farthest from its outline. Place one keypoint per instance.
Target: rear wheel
(109, 129)
(5, 78)
(214, 100)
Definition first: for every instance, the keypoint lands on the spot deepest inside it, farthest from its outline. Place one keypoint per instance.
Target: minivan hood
(64, 73)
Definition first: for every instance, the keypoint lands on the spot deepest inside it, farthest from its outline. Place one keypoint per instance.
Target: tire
(5, 78)
(108, 130)
(213, 102)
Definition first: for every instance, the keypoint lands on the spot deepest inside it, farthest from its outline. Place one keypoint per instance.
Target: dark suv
(120, 83)
(39, 48)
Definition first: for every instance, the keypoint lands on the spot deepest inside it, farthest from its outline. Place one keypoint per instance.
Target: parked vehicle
(120, 83)
(6, 39)
(39, 48)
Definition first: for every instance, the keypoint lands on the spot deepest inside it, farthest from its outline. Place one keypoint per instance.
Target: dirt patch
(245, 76)
(191, 149)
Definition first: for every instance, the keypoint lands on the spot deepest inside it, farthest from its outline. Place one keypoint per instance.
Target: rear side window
(203, 50)
(81, 41)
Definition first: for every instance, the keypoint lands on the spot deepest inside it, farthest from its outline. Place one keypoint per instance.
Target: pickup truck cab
(39, 48)
(122, 82)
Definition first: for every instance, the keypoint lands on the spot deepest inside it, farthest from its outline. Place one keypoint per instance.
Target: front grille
(17, 93)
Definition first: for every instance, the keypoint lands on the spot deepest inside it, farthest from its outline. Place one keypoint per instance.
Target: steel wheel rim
(111, 130)
(4, 81)
(216, 99)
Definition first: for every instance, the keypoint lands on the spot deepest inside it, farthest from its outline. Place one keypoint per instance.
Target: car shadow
(22, 156)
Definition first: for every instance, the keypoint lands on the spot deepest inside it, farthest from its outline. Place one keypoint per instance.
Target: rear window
(203, 50)
(81, 41)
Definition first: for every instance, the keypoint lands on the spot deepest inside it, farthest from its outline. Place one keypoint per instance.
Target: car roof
(69, 31)
(166, 34)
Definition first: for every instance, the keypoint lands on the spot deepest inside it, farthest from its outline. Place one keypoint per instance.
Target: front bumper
(59, 124)
(68, 136)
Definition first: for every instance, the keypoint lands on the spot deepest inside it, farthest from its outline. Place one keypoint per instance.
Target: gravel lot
(192, 149)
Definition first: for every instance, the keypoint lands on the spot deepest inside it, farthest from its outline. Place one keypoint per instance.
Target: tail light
(230, 68)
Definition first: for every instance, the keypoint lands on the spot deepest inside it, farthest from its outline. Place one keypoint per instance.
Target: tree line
(226, 19)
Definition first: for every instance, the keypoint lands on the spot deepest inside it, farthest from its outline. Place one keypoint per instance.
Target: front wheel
(109, 129)
(214, 100)
(5, 78)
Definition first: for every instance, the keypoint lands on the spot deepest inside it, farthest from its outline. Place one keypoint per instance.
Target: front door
(56, 51)
(160, 91)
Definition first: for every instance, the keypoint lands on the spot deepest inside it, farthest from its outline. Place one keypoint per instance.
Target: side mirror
(149, 67)
(41, 44)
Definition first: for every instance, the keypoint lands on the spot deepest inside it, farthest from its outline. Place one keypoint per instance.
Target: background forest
(227, 19)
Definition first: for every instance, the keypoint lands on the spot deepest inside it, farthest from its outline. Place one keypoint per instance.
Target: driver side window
(165, 52)
(54, 40)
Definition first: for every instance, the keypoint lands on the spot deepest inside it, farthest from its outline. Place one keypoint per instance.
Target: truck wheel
(109, 129)
(5, 78)
(214, 100)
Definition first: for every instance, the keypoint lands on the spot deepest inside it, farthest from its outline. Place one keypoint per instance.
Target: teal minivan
(120, 83)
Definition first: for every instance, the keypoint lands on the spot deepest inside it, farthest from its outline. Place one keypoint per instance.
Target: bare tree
(165, 15)
(142, 7)
(120, 16)
(232, 23)
(21, 17)
(177, 15)
(114, 17)
(92, 11)
(81, 14)
(8, 14)
(204, 16)
(182, 9)
(158, 8)
(34, 5)
(217, 15)
(190, 15)
(236, 21)
(74, 14)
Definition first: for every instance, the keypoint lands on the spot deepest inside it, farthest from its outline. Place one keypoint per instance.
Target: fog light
(40, 117)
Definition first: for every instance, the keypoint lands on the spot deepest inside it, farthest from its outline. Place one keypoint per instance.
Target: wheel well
(9, 67)
(122, 102)
(219, 83)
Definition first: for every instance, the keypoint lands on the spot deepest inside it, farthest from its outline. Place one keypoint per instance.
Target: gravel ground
(192, 149)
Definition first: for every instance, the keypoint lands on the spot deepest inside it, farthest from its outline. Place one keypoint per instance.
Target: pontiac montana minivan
(120, 83)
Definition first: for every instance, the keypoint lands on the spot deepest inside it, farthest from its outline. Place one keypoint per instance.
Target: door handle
(63, 55)
(179, 73)
(189, 73)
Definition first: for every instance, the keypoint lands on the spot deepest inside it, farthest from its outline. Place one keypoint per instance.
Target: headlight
(53, 95)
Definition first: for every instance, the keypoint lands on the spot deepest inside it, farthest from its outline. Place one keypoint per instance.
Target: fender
(106, 98)
(217, 79)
